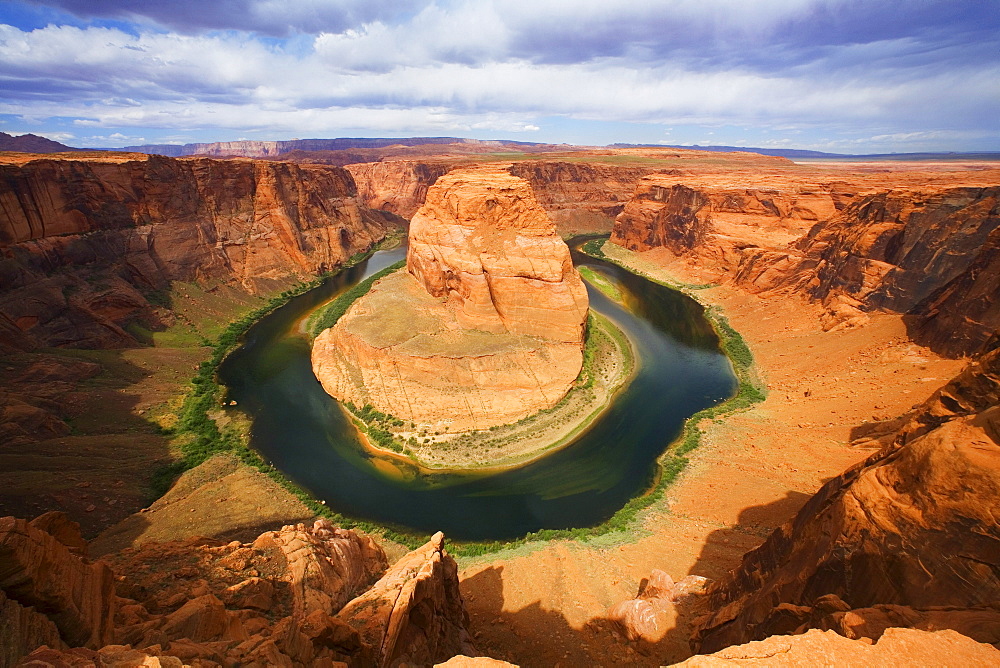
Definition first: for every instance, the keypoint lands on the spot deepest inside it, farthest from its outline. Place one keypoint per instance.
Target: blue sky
(853, 76)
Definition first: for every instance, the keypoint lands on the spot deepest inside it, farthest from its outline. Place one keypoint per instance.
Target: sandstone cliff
(717, 220)
(925, 251)
(292, 597)
(397, 186)
(85, 242)
(908, 537)
(486, 326)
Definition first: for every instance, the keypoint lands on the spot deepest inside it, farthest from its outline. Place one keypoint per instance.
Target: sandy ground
(753, 472)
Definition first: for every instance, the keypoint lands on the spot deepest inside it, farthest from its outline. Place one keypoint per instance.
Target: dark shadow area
(73, 436)
(723, 550)
(533, 636)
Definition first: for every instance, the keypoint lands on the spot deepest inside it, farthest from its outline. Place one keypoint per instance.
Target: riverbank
(609, 363)
(752, 472)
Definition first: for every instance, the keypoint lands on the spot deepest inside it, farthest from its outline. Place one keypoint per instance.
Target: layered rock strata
(485, 327)
(910, 534)
(930, 252)
(85, 242)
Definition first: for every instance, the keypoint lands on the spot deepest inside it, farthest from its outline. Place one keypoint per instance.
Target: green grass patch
(602, 283)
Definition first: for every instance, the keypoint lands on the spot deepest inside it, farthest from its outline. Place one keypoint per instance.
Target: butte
(485, 325)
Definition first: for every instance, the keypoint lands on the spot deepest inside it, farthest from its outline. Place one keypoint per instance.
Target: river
(301, 430)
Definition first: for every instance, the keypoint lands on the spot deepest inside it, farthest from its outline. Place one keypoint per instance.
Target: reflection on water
(302, 431)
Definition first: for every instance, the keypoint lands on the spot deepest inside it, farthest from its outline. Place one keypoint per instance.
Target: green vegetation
(593, 248)
(199, 435)
(327, 316)
(602, 283)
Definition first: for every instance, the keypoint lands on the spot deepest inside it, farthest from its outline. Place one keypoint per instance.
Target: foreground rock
(292, 597)
(915, 526)
(898, 647)
(485, 327)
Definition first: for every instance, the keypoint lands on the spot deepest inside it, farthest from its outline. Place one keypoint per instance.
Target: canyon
(485, 326)
(858, 498)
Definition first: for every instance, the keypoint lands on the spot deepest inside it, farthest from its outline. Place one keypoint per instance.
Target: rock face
(484, 328)
(933, 254)
(86, 241)
(414, 615)
(898, 647)
(292, 597)
(484, 245)
(929, 251)
(39, 572)
(397, 186)
(914, 526)
(578, 196)
(719, 219)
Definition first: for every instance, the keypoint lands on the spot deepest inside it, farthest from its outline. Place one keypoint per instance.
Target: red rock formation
(931, 251)
(289, 598)
(484, 245)
(84, 240)
(327, 566)
(38, 571)
(487, 326)
(415, 613)
(718, 218)
(580, 196)
(397, 186)
(915, 525)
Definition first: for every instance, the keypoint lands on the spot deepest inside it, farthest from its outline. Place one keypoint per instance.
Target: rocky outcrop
(414, 615)
(39, 572)
(298, 596)
(934, 254)
(327, 566)
(485, 327)
(914, 526)
(648, 617)
(86, 242)
(898, 647)
(483, 244)
(397, 186)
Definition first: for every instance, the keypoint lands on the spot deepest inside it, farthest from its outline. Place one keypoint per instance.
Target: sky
(847, 76)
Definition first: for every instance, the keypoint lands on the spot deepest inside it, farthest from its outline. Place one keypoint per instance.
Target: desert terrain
(820, 267)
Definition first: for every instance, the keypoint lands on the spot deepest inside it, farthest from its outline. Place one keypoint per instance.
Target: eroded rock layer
(485, 327)
(930, 251)
(86, 241)
(914, 528)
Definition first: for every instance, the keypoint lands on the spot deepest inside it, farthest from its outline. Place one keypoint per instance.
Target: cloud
(268, 17)
(874, 69)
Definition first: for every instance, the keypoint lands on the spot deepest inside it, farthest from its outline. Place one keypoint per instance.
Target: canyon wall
(85, 242)
(928, 252)
(397, 186)
(909, 537)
